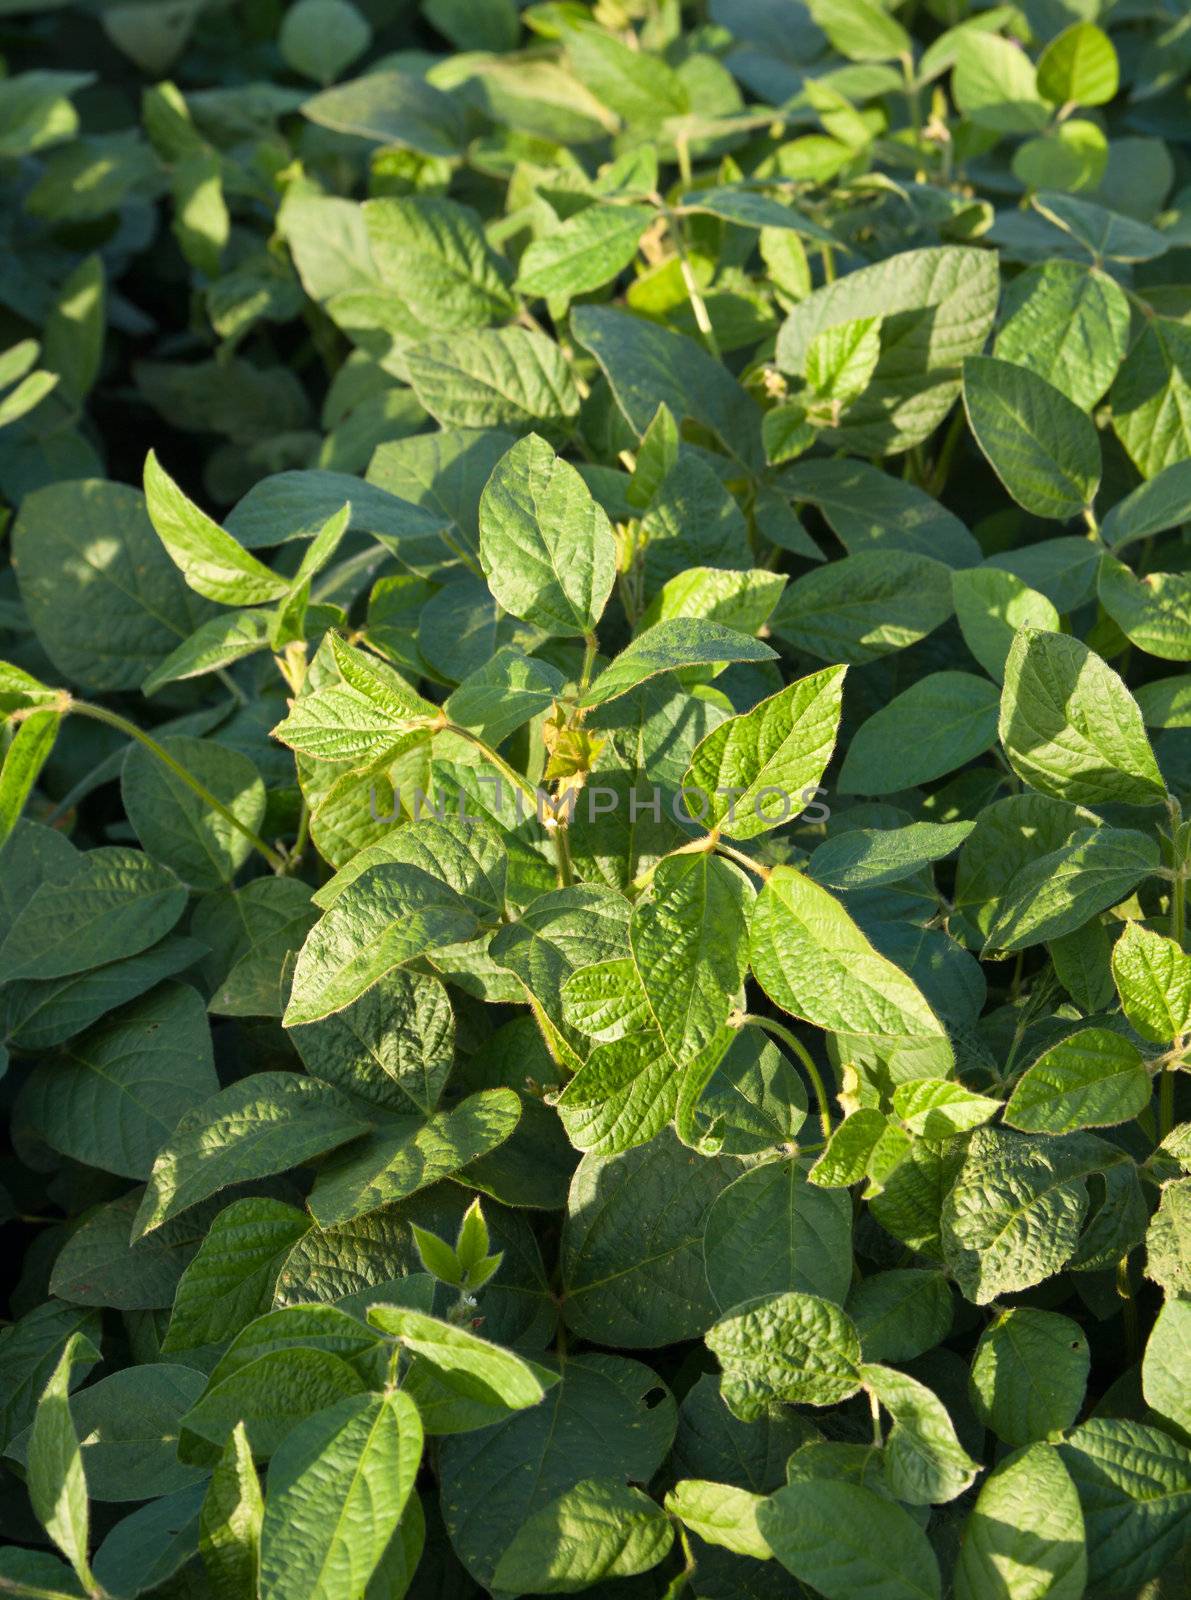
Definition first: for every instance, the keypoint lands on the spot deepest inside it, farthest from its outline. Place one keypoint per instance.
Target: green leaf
(995, 84)
(74, 330)
(435, 253)
(175, 826)
(925, 1464)
(584, 252)
(1153, 978)
(319, 38)
(116, 903)
(864, 606)
(940, 723)
(991, 607)
(1067, 323)
(24, 759)
(668, 646)
(146, 606)
(1151, 403)
(1079, 67)
(404, 1154)
(54, 1464)
(230, 1522)
(632, 1249)
(793, 1348)
(689, 943)
(1029, 1375)
(937, 306)
(865, 858)
(474, 1372)
(1164, 502)
(1014, 1214)
(1166, 1363)
(231, 1279)
(494, 378)
(599, 1529)
(1056, 893)
(387, 916)
(1152, 612)
(1168, 1239)
(647, 366)
(602, 1400)
(639, 87)
(336, 1490)
(115, 1095)
(902, 1313)
(812, 959)
(30, 1349)
(1092, 1079)
(862, 30)
(271, 1396)
(392, 108)
(503, 695)
(1041, 445)
(1024, 1537)
(1134, 1485)
(845, 1540)
(211, 561)
(253, 1129)
(770, 1232)
(1071, 728)
(865, 506)
(128, 1426)
(720, 1514)
(545, 544)
(753, 771)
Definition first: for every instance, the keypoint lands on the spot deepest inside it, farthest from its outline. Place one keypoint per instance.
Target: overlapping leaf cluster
(593, 960)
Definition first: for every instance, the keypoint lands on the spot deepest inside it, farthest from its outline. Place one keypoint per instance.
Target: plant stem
(84, 708)
(517, 779)
(1165, 1102)
(1178, 907)
(591, 647)
(742, 860)
(874, 1406)
(562, 854)
(1128, 1309)
(693, 292)
(804, 1055)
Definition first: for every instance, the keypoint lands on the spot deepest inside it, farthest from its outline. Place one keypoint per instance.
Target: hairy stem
(783, 1033)
(84, 708)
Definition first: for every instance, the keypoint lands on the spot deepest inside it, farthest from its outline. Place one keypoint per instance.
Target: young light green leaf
(754, 771)
(546, 545)
(336, 1490)
(720, 1514)
(925, 1464)
(1153, 978)
(1069, 324)
(1093, 1079)
(1041, 445)
(213, 563)
(934, 1108)
(472, 1366)
(1079, 67)
(812, 959)
(31, 748)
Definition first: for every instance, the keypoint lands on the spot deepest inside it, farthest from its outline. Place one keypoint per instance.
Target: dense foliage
(592, 876)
